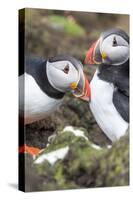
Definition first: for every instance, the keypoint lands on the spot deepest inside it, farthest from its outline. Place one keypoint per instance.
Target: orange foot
(30, 150)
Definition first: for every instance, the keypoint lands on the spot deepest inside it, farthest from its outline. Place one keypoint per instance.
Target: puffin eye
(114, 42)
(66, 69)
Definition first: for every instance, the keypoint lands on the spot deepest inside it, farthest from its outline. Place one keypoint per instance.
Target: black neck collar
(113, 73)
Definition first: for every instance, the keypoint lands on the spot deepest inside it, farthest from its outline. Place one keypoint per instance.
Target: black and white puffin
(110, 83)
(44, 82)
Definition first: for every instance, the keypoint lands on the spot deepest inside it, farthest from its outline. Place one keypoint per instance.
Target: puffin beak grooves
(82, 88)
(89, 59)
(86, 91)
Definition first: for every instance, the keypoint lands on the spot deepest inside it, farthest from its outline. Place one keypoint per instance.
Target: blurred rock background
(49, 33)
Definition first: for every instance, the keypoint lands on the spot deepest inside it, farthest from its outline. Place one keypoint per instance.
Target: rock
(83, 164)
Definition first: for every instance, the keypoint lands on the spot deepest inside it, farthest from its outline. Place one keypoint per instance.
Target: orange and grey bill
(87, 91)
(33, 151)
(89, 55)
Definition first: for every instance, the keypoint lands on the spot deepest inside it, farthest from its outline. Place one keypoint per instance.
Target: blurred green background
(52, 32)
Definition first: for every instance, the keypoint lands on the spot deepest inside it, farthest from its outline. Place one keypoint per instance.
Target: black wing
(30, 63)
(119, 76)
(121, 102)
(122, 80)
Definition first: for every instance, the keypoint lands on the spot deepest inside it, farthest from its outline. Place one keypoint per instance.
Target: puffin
(43, 84)
(110, 84)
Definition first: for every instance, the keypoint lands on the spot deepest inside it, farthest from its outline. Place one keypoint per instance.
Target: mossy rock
(85, 165)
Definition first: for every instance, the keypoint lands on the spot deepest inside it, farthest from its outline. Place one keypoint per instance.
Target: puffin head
(112, 48)
(65, 73)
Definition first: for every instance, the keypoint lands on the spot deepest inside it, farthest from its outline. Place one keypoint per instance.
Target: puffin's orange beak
(94, 55)
(86, 91)
(89, 59)
(82, 88)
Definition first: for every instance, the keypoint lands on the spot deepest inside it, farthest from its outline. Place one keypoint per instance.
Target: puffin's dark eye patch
(66, 69)
(114, 42)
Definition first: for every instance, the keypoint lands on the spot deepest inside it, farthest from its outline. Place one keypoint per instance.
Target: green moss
(84, 166)
(62, 139)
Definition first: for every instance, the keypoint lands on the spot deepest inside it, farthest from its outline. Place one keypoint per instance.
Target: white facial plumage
(61, 74)
(116, 49)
